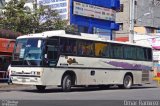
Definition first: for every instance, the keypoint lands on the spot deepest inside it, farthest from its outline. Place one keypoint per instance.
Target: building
(95, 16)
(2, 4)
(88, 16)
(146, 18)
(146, 25)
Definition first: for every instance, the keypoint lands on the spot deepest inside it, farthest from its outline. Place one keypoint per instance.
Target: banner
(93, 11)
(62, 6)
(155, 42)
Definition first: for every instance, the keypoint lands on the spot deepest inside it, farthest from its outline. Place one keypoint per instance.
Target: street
(91, 95)
(82, 43)
(147, 92)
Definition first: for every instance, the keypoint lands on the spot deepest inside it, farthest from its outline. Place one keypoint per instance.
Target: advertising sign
(151, 41)
(93, 11)
(60, 5)
(148, 40)
(155, 42)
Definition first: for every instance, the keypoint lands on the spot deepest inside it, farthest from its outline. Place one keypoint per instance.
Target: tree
(16, 18)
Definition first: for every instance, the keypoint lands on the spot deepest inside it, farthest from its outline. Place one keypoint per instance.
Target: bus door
(52, 52)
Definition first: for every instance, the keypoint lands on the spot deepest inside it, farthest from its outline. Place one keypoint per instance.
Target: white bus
(66, 60)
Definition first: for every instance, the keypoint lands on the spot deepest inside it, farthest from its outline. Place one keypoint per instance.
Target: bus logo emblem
(70, 61)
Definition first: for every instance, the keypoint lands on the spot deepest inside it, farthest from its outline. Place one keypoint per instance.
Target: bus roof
(62, 33)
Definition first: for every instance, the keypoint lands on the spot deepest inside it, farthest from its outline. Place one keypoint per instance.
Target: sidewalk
(6, 86)
(3, 85)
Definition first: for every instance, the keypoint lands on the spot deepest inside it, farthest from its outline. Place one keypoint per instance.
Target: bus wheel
(40, 87)
(66, 83)
(127, 82)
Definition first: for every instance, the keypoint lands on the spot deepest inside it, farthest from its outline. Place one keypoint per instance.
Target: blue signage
(94, 14)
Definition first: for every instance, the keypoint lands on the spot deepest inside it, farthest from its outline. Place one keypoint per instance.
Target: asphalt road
(80, 96)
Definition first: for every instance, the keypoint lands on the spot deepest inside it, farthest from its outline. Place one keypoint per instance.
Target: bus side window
(140, 53)
(74, 49)
(101, 49)
(68, 49)
(61, 48)
(149, 54)
(67, 46)
(82, 50)
(116, 51)
(85, 48)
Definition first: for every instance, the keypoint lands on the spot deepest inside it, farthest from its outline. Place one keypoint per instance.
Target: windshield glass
(28, 52)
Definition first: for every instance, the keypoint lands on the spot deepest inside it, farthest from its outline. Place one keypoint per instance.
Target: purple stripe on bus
(126, 65)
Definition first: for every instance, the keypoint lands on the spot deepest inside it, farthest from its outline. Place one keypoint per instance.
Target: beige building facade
(146, 17)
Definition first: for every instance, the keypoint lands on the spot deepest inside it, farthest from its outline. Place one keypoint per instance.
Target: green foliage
(72, 29)
(17, 19)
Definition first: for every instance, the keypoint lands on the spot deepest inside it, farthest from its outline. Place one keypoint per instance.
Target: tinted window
(116, 51)
(101, 49)
(140, 53)
(85, 48)
(129, 52)
(148, 54)
(68, 46)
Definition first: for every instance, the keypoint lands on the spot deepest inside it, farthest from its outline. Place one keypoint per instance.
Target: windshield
(28, 51)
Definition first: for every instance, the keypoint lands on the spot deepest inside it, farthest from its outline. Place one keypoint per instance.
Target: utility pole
(131, 20)
(35, 10)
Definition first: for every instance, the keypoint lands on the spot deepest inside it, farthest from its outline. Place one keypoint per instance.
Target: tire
(127, 82)
(66, 83)
(40, 88)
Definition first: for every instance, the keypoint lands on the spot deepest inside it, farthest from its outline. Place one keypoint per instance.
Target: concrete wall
(143, 23)
(147, 6)
(140, 30)
(123, 17)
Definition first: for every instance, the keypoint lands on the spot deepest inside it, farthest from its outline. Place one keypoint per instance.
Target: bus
(69, 60)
